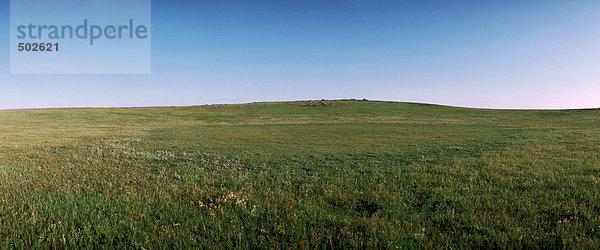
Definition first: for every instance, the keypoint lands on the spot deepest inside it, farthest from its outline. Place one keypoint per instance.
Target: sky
(488, 54)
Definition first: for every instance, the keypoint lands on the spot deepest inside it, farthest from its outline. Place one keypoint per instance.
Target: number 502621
(42, 47)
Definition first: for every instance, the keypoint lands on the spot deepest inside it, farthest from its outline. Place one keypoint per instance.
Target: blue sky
(496, 54)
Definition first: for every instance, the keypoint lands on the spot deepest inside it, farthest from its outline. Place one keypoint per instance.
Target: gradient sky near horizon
(489, 54)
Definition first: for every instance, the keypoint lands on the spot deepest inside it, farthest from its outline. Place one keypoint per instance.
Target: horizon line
(298, 100)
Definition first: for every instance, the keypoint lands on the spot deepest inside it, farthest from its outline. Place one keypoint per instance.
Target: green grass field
(341, 174)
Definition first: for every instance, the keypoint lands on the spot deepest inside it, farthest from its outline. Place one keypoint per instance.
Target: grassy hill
(300, 174)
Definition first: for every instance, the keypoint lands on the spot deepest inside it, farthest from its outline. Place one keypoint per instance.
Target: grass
(339, 174)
